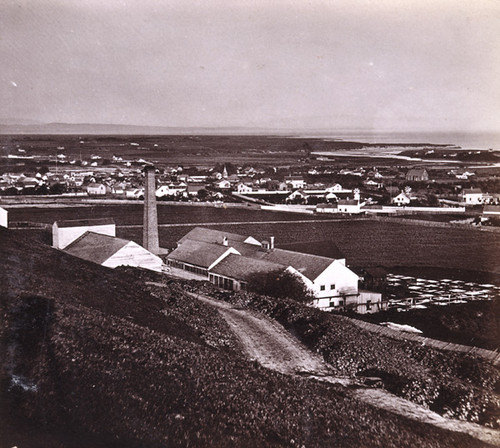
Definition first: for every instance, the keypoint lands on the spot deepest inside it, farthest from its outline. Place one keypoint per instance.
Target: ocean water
(465, 140)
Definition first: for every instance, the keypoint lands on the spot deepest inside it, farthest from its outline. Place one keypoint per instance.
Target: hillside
(94, 357)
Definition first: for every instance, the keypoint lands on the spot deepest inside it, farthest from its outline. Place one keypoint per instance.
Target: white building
(134, 193)
(4, 218)
(401, 199)
(243, 188)
(223, 184)
(112, 252)
(326, 208)
(65, 232)
(229, 260)
(351, 206)
(472, 196)
(96, 189)
(295, 182)
(170, 190)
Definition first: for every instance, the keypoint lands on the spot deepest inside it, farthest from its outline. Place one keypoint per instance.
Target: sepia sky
(332, 64)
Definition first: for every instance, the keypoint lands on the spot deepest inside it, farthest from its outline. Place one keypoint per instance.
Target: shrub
(280, 284)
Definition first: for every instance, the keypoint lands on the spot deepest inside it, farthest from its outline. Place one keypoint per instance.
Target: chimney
(150, 223)
(224, 241)
(271, 245)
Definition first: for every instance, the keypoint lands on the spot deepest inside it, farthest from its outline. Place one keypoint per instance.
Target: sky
(390, 65)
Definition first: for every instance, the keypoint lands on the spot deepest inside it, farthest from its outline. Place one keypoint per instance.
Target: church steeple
(224, 172)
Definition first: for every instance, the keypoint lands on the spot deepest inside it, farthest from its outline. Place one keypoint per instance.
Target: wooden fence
(489, 355)
(421, 222)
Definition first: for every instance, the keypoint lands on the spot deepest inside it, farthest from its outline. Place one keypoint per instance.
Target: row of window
(222, 282)
(323, 287)
(188, 267)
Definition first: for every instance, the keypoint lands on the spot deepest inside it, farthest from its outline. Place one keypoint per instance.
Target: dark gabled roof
(322, 248)
(95, 247)
(198, 253)
(85, 222)
(311, 266)
(471, 191)
(202, 247)
(242, 268)
(416, 171)
(205, 235)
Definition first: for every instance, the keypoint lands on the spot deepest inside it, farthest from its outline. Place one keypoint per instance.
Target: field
(194, 150)
(455, 252)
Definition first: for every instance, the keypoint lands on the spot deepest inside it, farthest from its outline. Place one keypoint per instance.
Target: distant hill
(110, 129)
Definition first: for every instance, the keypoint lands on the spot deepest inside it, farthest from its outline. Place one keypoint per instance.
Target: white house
(326, 208)
(297, 195)
(112, 252)
(295, 182)
(65, 232)
(349, 206)
(230, 260)
(472, 196)
(243, 188)
(223, 184)
(134, 193)
(96, 189)
(337, 188)
(401, 199)
(170, 190)
(4, 217)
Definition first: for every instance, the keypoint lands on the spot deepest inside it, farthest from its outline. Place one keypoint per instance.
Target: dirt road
(272, 346)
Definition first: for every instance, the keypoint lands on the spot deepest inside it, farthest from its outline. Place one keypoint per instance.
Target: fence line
(489, 355)
(421, 222)
(29, 225)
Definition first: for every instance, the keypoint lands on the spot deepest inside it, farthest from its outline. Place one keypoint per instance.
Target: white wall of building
(63, 236)
(4, 217)
(134, 255)
(337, 279)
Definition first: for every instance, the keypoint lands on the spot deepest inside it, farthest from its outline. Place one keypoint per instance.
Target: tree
(11, 191)
(203, 194)
(57, 188)
(280, 284)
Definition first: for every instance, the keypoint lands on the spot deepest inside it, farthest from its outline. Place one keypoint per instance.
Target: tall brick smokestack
(150, 224)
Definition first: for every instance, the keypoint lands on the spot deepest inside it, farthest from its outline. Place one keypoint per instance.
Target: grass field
(364, 243)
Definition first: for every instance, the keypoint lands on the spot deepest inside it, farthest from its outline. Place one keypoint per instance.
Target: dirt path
(275, 348)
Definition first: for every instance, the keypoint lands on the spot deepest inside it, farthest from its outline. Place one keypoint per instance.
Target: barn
(111, 252)
(417, 175)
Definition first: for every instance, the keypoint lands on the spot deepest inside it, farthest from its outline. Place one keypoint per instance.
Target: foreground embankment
(454, 384)
(91, 356)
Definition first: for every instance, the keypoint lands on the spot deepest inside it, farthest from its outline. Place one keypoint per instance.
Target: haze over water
(465, 140)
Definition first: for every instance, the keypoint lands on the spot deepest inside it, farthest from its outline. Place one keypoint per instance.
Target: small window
(341, 302)
(368, 305)
(332, 286)
(322, 287)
